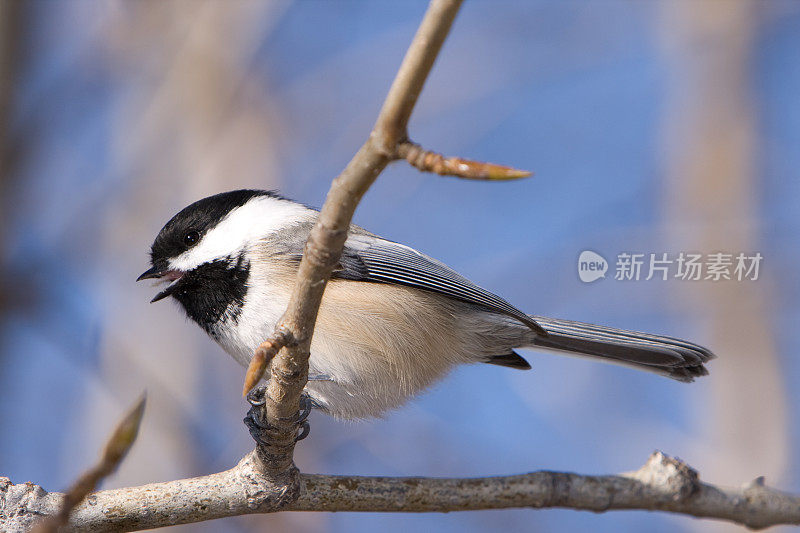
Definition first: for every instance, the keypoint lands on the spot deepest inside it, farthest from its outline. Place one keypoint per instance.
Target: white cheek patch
(241, 227)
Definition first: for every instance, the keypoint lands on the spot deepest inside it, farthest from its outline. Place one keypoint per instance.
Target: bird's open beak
(153, 273)
(172, 276)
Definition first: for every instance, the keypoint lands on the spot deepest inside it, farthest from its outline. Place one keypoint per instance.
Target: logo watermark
(591, 266)
(662, 266)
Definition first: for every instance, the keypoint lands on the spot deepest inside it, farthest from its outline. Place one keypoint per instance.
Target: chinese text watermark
(683, 266)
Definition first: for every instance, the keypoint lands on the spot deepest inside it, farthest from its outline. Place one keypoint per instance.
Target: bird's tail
(667, 356)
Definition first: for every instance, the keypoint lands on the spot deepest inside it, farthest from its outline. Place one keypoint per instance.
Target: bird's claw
(261, 430)
(303, 431)
(257, 396)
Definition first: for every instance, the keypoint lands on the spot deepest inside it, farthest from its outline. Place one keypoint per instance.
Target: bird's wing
(367, 257)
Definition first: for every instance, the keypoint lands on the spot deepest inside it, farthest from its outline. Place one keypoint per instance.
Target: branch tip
(263, 356)
(116, 448)
(430, 161)
(124, 434)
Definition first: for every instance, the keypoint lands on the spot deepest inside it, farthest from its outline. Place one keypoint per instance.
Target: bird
(392, 322)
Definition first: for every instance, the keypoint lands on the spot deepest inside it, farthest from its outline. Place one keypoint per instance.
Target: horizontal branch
(662, 484)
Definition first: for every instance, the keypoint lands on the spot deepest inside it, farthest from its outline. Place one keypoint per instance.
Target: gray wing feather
(367, 257)
(370, 258)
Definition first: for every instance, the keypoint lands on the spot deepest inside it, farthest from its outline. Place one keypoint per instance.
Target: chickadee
(392, 320)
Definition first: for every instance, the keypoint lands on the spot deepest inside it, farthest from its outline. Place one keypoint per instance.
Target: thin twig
(429, 161)
(392, 124)
(117, 446)
(264, 354)
(289, 371)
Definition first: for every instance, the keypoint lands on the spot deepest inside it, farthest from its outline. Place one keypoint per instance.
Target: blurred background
(652, 127)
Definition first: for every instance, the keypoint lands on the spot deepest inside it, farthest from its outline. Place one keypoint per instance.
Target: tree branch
(243, 489)
(663, 484)
(289, 371)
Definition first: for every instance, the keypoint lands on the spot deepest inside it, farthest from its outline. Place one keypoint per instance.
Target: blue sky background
(582, 93)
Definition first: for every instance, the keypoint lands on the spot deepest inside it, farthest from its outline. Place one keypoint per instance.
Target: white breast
(265, 302)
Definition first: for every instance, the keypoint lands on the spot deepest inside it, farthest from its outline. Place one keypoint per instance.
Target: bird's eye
(191, 238)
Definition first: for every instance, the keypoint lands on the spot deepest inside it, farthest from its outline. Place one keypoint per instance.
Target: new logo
(591, 266)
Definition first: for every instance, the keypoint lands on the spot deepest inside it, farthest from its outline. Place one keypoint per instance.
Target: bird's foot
(258, 426)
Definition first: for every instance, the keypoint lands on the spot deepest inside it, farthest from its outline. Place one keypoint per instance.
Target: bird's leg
(256, 420)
